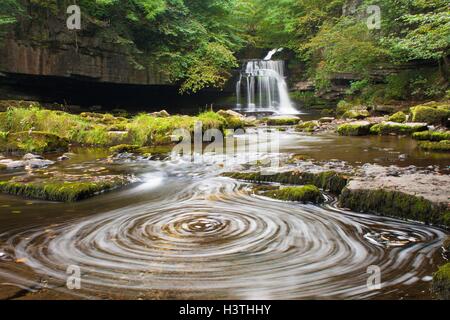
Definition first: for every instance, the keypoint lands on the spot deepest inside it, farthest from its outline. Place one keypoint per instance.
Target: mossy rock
(326, 180)
(307, 126)
(399, 117)
(64, 191)
(307, 193)
(406, 128)
(122, 148)
(35, 142)
(441, 282)
(357, 128)
(356, 114)
(395, 204)
(443, 145)
(432, 135)
(430, 115)
(282, 121)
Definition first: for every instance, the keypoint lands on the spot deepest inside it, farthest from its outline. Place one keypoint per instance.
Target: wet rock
(308, 126)
(57, 186)
(326, 119)
(38, 163)
(399, 117)
(63, 158)
(441, 282)
(160, 114)
(306, 193)
(356, 128)
(30, 156)
(402, 193)
(10, 164)
(327, 180)
(407, 128)
(443, 145)
(282, 120)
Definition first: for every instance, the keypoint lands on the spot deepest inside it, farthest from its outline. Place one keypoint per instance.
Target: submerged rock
(443, 145)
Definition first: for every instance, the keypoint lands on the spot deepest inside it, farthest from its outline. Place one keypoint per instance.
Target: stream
(185, 232)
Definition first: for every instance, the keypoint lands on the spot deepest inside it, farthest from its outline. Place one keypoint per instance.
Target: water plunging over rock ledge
(263, 84)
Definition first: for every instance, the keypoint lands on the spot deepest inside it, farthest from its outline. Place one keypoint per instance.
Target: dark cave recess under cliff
(89, 94)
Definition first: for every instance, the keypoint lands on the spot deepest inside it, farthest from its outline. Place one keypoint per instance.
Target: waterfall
(266, 88)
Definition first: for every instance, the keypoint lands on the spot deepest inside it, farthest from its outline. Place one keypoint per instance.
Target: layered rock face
(48, 48)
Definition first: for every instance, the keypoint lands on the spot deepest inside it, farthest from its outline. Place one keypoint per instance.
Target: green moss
(399, 117)
(327, 180)
(394, 204)
(386, 128)
(282, 121)
(355, 114)
(307, 126)
(443, 145)
(430, 115)
(441, 282)
(307, 193)
(121, 148)
(34, 141)
(66, 191)
(358, 128)
(3, 166)
(432, 135)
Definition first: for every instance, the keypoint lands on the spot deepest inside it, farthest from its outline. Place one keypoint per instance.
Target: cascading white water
(266, 88)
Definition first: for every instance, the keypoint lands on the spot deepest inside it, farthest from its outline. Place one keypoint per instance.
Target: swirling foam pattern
(212, 239)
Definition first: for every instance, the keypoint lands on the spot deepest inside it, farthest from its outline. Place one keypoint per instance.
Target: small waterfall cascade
(263, 85)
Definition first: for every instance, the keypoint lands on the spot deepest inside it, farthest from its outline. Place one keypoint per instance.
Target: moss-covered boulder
(235, 120)
(416, 197)
(357, 128)
(432, 135)
(327, 180)
(33, 141)
(399, 117)
(122, 148)
(307, 126)
(407, 128)
(429, 114)
(441, 282)
(282, 120)
(443, 145)
(356, 114)
(61, 187)
(307, 193)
